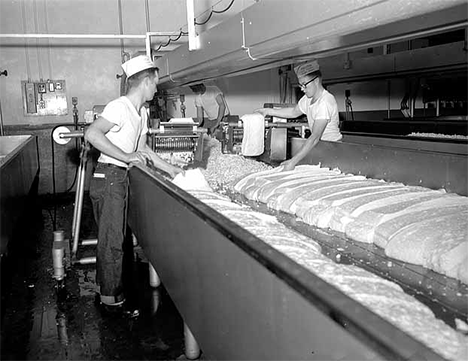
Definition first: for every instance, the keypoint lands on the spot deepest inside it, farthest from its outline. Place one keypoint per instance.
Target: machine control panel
(44, 97)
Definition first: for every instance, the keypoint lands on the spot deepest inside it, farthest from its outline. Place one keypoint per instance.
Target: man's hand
(263, 111)
(288, 165)
(215, 130)
(175, 170)
(139, 157)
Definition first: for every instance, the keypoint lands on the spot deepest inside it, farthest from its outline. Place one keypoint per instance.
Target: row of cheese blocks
(413, 224)
(385, 298)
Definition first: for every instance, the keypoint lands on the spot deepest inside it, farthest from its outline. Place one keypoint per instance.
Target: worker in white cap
(319, 106)
(120, 135)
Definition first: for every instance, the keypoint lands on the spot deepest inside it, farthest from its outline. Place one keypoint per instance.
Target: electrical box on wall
(44, 97)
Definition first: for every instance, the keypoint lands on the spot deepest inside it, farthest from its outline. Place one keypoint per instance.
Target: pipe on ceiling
(88, 36)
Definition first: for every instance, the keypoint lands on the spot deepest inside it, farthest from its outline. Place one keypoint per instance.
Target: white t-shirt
(324, 107)
(208, 102)
(129, 127)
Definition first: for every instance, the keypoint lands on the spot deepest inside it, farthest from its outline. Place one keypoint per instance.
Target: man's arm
(311, 142)
(285, 113)
(200, 115)
(96, 135)
(157, 161)
(221, 108)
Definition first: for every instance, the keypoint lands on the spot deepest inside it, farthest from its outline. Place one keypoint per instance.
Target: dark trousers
(108, 192)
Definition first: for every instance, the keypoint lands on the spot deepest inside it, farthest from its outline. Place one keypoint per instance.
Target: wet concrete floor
(42, 319)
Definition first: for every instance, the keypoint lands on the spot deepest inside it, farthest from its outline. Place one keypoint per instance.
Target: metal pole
(79, 198)
(76, 210)
(192, 350)
(2, 132)
(155, 281)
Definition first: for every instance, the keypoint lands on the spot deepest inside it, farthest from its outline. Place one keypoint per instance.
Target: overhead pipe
(147, 37)
(88, 36)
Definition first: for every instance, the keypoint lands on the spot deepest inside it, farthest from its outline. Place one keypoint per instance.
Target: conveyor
(244, 300)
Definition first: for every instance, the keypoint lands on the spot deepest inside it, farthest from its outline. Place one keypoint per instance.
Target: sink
(10, 145)
(10, 142)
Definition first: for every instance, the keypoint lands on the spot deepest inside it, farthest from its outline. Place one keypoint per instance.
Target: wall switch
(41, 88)
(31, 106)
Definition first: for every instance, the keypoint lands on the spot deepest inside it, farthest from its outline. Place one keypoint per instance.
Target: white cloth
(324, 107)
(129, 127)
(207, 101)
(253, 141)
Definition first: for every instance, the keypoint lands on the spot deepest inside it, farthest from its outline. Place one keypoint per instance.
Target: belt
(110, 165)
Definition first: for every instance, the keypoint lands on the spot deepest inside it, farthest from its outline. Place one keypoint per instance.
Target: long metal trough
(19, 170)
(241, 298)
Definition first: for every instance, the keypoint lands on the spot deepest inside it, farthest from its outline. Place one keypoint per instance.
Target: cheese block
(264, 177)
(343, 214)
(410, 195)
(322, 218)
(283, 185)
(447, 256)
(282, 201)
(255, 188)
(448, 200)
(427, 210)
(362, 226)
(303, 205)
(323, 189)
(239, 186)
(414, 243)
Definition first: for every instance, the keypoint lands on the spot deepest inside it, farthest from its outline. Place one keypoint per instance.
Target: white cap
(137, 64)
(303, 69)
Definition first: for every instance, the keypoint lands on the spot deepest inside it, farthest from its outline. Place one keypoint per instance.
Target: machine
(179, 141)
(277, 133)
